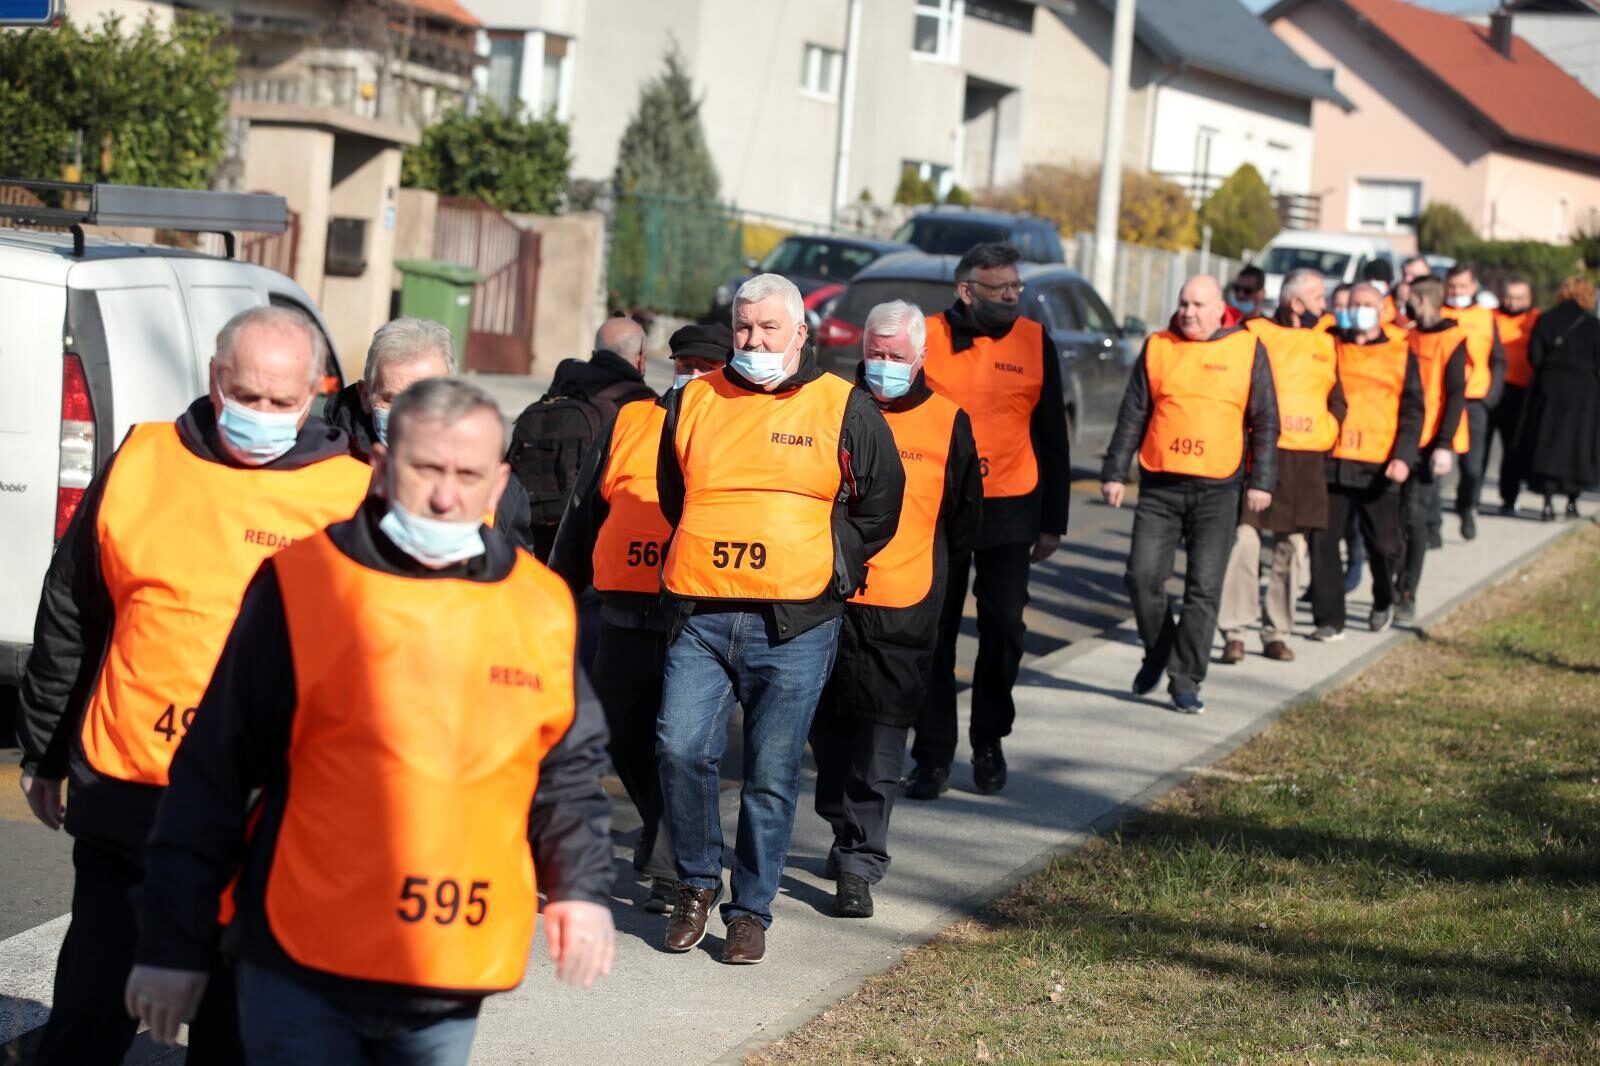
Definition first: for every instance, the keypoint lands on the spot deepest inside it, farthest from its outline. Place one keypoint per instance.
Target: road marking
(27, 977)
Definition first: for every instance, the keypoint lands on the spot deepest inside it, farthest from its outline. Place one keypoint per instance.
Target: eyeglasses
(1013, 288)
(1244, 293)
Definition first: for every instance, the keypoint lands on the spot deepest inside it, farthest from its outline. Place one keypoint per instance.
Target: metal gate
(472, 232)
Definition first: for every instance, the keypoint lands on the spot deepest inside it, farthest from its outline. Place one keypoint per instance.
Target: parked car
(819, 267)
(1096, 353)
(1341, 257)
(93, 340)
(949, 230)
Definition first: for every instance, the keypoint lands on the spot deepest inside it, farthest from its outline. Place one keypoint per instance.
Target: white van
(1341, 257)
(94, 338)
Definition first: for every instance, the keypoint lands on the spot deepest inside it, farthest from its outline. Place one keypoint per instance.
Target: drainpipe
(847, 111)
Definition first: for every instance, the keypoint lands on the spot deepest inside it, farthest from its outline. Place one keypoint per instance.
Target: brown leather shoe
(1279, 651)
(1233, 652)
(747, 942)
(688, 925)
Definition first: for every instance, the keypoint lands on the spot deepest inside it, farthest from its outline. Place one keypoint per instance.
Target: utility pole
(847, 110)
(1109, 206)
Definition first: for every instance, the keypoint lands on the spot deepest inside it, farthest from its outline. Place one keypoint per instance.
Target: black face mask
(1516, 310)
(994, 316)
(1411, 312)
(1308, 320)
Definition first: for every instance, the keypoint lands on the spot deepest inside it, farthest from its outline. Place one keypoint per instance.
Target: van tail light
(77, 441)
(816, 298)
(836, 333)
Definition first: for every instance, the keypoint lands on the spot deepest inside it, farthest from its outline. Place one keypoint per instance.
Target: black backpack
(550, 439)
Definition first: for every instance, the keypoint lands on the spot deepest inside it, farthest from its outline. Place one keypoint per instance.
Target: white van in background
(1341, 257)
(96, 335)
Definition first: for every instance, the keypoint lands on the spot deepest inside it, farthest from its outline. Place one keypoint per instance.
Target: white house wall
(1253, 126)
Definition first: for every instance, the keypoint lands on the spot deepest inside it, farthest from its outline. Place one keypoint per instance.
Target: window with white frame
(936, 30)
(936, 174)
(819, 70)
(1380, 204)
(505, 70)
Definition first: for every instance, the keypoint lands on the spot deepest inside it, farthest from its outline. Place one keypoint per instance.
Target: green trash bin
(441, 292)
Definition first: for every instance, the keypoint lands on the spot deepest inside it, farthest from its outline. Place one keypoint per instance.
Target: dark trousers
(1377, 515)
(1002, 591)
(89, 1025)
(627, 678)
(858, 778)
(1419, 499)
(1504, 421)
(1204, 520)
(1469, 486)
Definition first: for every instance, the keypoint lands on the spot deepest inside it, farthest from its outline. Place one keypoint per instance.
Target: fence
(669, 253)
(1147, 280)
(470, 231)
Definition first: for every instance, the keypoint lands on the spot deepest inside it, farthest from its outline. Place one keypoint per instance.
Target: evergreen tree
(1241, 213)
(663, 150)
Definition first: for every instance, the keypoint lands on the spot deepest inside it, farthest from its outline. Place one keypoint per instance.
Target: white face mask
(680, 380)
(434, 542)
(1459, 301)
(257, 438)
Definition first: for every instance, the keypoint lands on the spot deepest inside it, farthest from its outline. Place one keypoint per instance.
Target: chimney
(1500, 32)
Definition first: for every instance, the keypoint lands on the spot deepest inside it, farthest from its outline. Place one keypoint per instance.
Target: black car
(952, 230)
(814, 264)
(1096, 353)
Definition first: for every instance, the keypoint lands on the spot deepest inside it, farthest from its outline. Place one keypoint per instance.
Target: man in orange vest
(1380, 393)
(779, 481)
(1380, 275)
(1249, 293)
(1197, 401)
(1440, 347)
(891, 627)
(1304, 379)
(1413, 269)
(1514, 321)
(414, 676)
(135, 609)
(612, 538)
(1003, 370)
(1486, 373)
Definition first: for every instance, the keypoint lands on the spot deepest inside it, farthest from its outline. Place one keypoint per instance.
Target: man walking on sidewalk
(1003, 370)
(780, 481)
(1196, 400)
(1514, 321)
(1486, 372)
(890, 629)
(1381, 390)
(1305, 380)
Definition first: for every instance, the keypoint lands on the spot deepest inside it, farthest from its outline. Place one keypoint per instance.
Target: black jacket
(599, 371)
(1349, 473)
(1260, 424)
(240, 743)
(1020, 519)
(874, 481)
(72, 634)
(1455, 392)
(346, 411)
(573, 553)
(886, 654)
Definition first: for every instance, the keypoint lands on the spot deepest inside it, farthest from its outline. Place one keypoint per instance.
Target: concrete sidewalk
(1085, 752)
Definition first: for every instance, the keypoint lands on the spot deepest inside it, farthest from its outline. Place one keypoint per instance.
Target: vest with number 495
(1199, 391)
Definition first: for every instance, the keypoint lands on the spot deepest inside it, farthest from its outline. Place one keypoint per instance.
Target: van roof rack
(185, 210)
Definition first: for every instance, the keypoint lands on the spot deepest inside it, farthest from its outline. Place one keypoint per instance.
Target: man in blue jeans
(780, 481)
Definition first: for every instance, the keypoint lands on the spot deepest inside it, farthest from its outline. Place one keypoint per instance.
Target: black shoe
(1188, 703)
(853, 899)
(1405, 609)
(1572, 509)
(1148, 677)
(1508, 510)
(928, 782)
(1435, 540)
(663, 895)
(1548, 514)
(988, 768)
(1469, 525)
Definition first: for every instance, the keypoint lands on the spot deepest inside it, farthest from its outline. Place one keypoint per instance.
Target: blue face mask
(1242, 306)
(680, 380)
(380, 423)
(1343, 318)
(888, 380)
(433, 542)
(257, 437)
(1365, 319)
(762, 368)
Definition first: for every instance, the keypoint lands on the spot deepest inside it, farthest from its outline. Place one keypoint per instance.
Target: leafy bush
(958, 195)
(150, 104)
(914, 190)
(1544, 265)
(1241, 213)
(1442, 230)
(1153, 211)
(512, 161)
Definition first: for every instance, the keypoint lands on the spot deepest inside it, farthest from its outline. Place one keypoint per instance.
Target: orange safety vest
(1303, 374)
(1433, 351)
(901, 575)
(761, 476)
(1387, 313)
(1515, 333)
(1396, 333)
(423, 708)
(1198, 394)
(180, 538)
(633, 538)
(998, 384)
(1374, 377)
(1478, 323)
